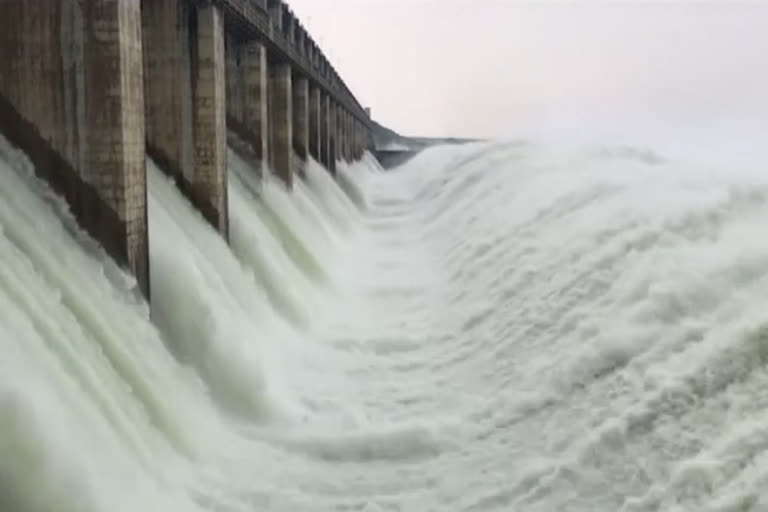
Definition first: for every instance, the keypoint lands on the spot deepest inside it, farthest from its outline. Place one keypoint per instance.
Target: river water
(502, 326)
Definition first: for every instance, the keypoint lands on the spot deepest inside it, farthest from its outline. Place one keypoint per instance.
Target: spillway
(493, 326)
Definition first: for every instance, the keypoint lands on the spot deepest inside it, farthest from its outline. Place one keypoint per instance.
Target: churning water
(496, 326)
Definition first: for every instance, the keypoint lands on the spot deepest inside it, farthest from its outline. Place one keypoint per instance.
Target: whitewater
(496, 326)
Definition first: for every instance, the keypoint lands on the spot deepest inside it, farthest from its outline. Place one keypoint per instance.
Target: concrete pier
(209, 180)
(276, 13)
(235, 80)
(314, 123)
(256, 113)
(89, 88)
(348, 137)
(325, 131)
(332, 137)
(247, 97)
(359, 140)
(301, 117)
(339, 120)
(281, 103)
(356, 139)
(184, 88)
(342, 135)
(71, 98)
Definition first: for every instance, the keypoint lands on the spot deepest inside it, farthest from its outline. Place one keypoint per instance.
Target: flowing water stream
(501, 326)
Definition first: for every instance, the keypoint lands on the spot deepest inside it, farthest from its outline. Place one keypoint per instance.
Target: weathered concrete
(356, 139)
(272, 23)
(71, 98)
(342, 134)
(256, 78)
(314, 122)
(256, 114)
(332, 136)
(301, 117)
(348, 136)
(235, 81)
(275, 8)
(281, 103)
(210, 174)
(339, 132)
(345, 132)
(325, 130)
(88, 87)
(184, 88)
(247, 108)
(361, 140)
(166, 31)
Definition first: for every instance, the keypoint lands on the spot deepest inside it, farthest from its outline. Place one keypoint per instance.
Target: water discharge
(495, 326)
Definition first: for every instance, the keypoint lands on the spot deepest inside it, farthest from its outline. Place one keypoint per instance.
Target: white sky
(617, 69)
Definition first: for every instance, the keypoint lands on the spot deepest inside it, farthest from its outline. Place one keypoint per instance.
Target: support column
(356, 139)
(301, 117)
(350, 134)
(281, 99)
(276, 16)
(115, 119)
(314, 123)
(344, 136)
(185, 97)
(360, 140)
(355, 155)
(166, 33)
(355, 135)
(325, 133)
(348, 138)
(71, 98)
(343, 133)
(233, 53)
(255, 76)
(337, 132)
(332, 138)
(210, 179)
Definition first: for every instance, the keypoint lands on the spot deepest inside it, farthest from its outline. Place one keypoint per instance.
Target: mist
(681, 76)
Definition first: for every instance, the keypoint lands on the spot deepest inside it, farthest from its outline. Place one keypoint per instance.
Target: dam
(214, 297)
(90, 89)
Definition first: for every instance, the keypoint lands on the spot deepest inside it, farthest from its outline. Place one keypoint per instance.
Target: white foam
(492, 326)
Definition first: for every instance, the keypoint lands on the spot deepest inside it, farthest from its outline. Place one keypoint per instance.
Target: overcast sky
(498, 68)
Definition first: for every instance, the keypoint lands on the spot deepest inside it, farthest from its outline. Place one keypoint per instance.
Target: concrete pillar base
(184, 90)
(325, 130)
(281, 120)
(256, 112)
(301, 117)
(333, 150)
(209, 182)
(71, 98)
(314, 123)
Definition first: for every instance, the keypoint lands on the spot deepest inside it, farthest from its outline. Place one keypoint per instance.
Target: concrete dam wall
(89, 89)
